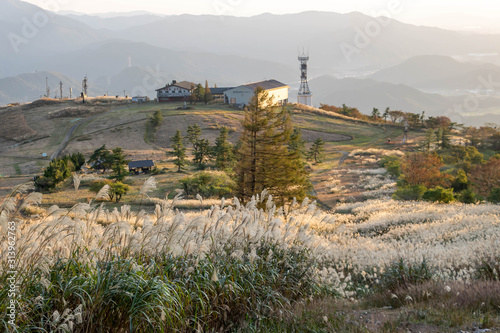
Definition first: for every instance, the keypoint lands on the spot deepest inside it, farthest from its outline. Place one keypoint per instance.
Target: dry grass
(13, 125)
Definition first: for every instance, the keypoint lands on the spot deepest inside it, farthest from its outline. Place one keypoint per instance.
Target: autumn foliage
(423, 169)
(486, 177)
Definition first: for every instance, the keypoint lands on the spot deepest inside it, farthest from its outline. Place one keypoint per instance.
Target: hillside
(439, 73)
(365, 94)
(124, 125)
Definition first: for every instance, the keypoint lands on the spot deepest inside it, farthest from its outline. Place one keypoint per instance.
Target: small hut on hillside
(143, 166)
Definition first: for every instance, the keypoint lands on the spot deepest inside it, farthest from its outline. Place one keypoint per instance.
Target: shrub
(467, 196)
(208, 184)
(410, 192)
(97, 185)
(489, 269)
(392, 164)
(401, 273)
(118, 189)
(439, 194)
(460, 182)
(494, 195)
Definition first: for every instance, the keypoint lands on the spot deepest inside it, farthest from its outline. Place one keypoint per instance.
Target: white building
(175, 92)
(140, 99)
(241, 95)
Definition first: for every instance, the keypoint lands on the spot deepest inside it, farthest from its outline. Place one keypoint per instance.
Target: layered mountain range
(398, 65)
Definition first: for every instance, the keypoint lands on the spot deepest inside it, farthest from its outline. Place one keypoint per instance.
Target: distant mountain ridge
(139, 52)
(439, 73)
(366, 94)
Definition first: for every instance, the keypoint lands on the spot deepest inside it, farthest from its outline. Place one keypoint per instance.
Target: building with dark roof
(241, 95)
(141, 166)
(218, 93)
(175, 92)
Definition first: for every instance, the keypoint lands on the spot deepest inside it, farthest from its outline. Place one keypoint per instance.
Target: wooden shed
(144, 166)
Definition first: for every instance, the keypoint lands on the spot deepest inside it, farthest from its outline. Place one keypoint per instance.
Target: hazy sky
(460, 13)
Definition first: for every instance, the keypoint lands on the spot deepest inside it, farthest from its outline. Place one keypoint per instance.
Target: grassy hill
(123, 124)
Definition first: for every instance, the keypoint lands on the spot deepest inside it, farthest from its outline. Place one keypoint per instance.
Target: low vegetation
(237, 267)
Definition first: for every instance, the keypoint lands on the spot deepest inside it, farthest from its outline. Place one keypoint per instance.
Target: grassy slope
(125, 125)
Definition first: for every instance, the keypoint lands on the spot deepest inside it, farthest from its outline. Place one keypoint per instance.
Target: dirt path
(73, 128)
(345, 154)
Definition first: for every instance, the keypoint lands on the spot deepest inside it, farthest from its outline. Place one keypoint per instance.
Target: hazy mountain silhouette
(139, 52)
(276, 38)
(115, 22)
(439, 73)
(365, 94)
(29, 87)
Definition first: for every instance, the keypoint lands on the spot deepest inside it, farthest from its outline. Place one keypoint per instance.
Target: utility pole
(60, 89)
(84, 88)
(70, 92)
(124, 94)
(47, 88)
(405, 136)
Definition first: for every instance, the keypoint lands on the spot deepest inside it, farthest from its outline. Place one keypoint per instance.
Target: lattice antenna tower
(305, 94)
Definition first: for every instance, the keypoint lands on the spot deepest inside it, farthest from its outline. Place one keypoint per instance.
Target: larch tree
(179, 150)
(264, 159)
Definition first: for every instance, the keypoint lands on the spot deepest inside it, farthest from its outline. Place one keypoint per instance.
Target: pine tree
(201, 154)
(265, 162)
(386, 113)
(101, 159)
(199, 93)
(118, 164)
(179, 150)
(297, 144)
(193, 134)
(429, 139)
(223, 151)
(157, 119)
(317, 150)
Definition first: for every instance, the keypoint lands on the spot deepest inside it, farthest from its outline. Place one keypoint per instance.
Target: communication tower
(304, 96)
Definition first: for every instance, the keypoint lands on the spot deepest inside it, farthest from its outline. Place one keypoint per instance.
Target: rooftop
(266, 85)
(141, 164)
(183, 84)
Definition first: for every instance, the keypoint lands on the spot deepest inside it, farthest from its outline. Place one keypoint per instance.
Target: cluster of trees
(268, 156)
(105, 159)
(59, 170)
(200, 94)
(413, 120)
(445, 175)
(484, 137)
(102, 158)
(223, 153)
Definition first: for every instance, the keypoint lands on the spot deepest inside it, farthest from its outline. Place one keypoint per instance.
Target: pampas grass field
(245, 267)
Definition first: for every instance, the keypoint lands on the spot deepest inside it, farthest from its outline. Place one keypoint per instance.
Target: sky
(460, 14)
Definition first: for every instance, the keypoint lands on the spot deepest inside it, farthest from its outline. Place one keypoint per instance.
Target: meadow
(251, 267)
